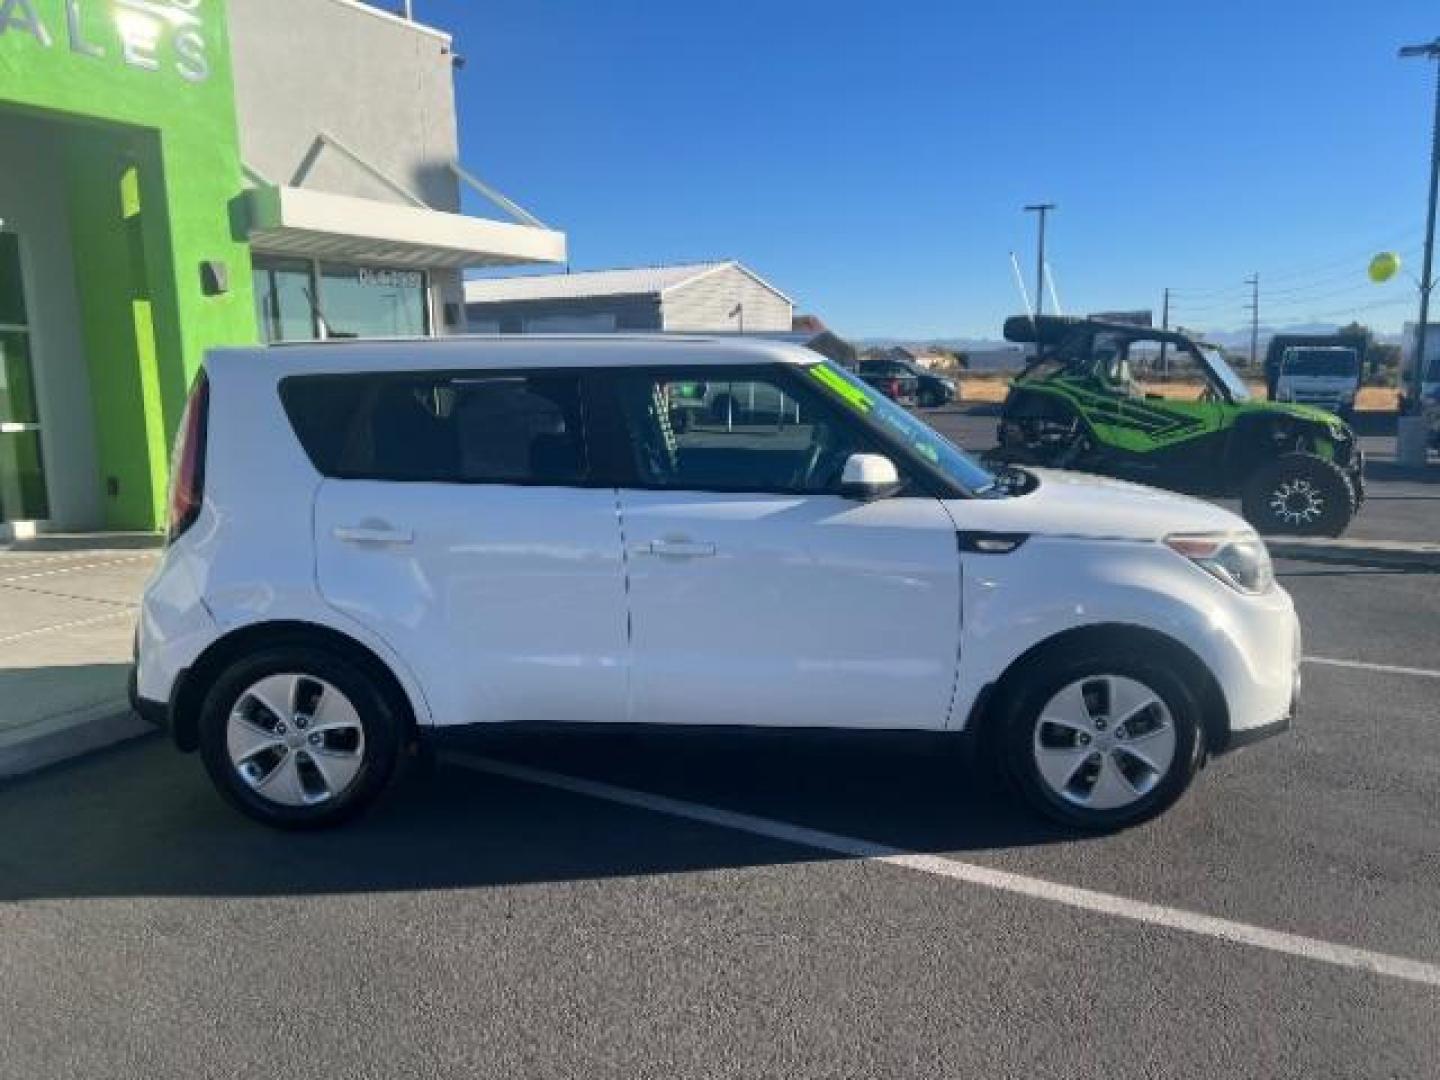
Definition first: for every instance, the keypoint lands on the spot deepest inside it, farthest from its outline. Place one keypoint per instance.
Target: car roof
(501, 351)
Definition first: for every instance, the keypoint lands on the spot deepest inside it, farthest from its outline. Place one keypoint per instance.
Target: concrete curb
(57, 738)
(1381, 554)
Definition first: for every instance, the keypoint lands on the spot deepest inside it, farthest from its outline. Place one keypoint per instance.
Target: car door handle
(373, 534)
(679, 549)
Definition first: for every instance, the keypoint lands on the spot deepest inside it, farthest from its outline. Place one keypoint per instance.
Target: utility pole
(1165, 325)
(1254, 282)
(1042, 209)
(1430, 51)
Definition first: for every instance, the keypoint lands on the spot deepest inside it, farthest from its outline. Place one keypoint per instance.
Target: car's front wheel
(298, 737)
(1099, 737)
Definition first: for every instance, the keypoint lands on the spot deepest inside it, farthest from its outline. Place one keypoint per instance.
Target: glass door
(22, 472)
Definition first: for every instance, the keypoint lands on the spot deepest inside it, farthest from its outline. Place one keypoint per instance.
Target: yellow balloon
(1384, 266)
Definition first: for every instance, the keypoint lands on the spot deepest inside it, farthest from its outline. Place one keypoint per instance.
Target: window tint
(751, 434)
(458, 428)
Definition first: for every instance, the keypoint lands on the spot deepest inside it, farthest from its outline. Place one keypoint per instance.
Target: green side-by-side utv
(1090, 400)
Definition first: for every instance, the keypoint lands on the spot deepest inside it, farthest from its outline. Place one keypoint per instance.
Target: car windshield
(1224, 373)
(860, 397)
(1321, 362)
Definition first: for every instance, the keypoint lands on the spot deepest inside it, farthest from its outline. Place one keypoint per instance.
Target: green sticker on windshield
(852, 395)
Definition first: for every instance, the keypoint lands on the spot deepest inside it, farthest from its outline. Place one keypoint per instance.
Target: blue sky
(871, 158)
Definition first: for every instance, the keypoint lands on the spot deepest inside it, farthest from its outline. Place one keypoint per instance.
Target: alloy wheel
(1104, 742)
(1297, 502)
(295, 740)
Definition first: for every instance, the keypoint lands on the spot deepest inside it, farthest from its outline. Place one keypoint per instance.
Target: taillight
(187, 465)
(894, 388)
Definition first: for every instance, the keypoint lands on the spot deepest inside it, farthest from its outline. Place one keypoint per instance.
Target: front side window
(452, 428)
(731, 434)
(903, 426)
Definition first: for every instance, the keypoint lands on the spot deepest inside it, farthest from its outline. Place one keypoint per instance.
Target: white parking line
(74, 625)
(1365, 665)
(70, 569)
(1395, 967)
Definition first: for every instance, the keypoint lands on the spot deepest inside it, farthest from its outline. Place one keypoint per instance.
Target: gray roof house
(708, 297)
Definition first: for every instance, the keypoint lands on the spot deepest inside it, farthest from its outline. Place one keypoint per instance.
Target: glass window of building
(22, 472)
(283, 291)
(301, 300)
(373, 302)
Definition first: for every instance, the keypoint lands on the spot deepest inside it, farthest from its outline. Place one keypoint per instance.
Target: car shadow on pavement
(143, 820)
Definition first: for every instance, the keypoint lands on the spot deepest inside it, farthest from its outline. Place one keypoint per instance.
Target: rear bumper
(153, 712)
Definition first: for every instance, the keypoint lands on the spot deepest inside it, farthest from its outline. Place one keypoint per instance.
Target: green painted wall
(154, 182)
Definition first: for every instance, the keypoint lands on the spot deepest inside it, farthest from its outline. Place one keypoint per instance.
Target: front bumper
(1247, 736)
(1253, 650)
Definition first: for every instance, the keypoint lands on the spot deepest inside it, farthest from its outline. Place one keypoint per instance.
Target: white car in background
(374, 542)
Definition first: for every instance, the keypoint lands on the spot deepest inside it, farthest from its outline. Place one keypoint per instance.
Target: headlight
(1242, 561)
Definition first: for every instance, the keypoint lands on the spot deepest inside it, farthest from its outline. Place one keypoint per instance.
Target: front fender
(1051, 585)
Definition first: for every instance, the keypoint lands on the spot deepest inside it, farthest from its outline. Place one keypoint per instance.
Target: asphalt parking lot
(652, 906)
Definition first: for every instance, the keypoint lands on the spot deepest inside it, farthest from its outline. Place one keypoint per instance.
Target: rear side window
(512, 428)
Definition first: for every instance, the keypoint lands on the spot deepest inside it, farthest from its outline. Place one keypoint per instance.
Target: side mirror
(869, 476)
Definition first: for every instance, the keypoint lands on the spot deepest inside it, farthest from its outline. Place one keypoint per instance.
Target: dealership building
(179, 174)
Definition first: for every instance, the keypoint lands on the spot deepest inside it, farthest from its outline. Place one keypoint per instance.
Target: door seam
(629, 610)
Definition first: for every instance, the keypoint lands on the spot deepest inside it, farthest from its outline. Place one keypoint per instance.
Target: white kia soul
(370, 542)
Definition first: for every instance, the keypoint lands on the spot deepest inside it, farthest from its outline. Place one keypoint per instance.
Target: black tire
(1299, 495)
(1029, 690)
(382, 735)
(930, 399)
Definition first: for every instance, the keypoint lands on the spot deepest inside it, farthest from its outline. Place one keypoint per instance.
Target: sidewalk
(67, 616)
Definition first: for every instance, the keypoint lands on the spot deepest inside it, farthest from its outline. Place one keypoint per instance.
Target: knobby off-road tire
(1299, 495)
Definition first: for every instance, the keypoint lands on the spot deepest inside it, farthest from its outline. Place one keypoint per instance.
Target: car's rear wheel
(1098, 737)
(1299, 495)
(298, 737)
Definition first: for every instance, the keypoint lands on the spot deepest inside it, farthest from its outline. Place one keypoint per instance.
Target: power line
(1347, 291)
(1329, 279)
(1391, 239)
(1296, 276)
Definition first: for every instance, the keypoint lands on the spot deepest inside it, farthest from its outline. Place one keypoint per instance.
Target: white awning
(318, 225)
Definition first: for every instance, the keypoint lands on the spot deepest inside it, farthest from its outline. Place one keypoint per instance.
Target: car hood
(1083, 505)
